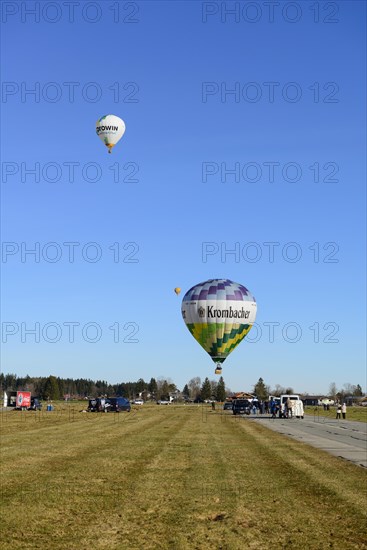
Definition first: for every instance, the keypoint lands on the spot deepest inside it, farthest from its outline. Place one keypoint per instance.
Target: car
(109, 404)
(228, 405)
(163, 402)
(36, 404)
(118, 404)
(98, 404)
(241, 406)
(138, 402)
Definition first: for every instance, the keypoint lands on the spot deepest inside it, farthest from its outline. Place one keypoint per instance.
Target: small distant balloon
(110, 129)
(177, 290)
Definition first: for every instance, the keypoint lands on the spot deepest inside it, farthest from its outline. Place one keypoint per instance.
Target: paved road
(343, 438)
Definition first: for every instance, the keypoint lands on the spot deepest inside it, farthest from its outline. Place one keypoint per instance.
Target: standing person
(338, 412)
(344, 410)
(289, 408)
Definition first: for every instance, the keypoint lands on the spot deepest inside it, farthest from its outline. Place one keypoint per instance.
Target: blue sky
(165, 68)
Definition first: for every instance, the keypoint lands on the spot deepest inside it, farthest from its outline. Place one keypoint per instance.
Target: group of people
(287, 409)
(272, 407)
(259, 407)
(341, 410)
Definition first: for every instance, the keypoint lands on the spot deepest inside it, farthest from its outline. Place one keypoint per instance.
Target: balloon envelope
(110, 129)
(177, 290)
(219, 314)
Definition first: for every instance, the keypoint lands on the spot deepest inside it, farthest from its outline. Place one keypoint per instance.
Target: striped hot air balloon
(219, 314)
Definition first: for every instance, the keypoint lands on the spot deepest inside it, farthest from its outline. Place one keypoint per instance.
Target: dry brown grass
(178, 477)
(358, 414)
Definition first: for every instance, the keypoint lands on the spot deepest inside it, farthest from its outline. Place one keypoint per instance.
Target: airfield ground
(177, 477)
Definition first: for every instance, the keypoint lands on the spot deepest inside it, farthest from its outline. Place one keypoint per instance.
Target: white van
(296, 406)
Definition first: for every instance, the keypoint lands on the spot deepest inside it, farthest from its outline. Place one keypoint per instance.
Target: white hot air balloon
(110, 129)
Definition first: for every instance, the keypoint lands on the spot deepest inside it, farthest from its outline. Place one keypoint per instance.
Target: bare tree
(194, 386)
(333, 390)
(348, 388)
(278, 390)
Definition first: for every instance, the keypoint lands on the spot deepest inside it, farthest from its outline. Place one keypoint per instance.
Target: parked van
(118, 404)
(296, 406)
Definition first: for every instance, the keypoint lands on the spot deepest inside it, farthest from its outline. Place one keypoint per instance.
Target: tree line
(54, 387)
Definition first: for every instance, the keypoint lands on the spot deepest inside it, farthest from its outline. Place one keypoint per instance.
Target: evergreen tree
(140, 386)
(221, 390)
(51, 389)
(260, 390)
(358, 391)
(10, 381)
(163, 391)
(186, 391)
(214, 384)
(206, 389)
(152, 386)
(60, 383)
(171, 386)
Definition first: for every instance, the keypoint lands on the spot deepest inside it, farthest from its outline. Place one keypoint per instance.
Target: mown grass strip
(173, 477)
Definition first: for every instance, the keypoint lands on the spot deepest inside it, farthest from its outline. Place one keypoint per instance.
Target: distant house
(242, 395)
(349, 400)
(175, 396)
(311, 400)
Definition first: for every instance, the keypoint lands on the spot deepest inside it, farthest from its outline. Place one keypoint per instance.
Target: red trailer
(23, 400)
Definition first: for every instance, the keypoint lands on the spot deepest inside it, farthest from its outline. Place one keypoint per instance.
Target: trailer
(22, 400)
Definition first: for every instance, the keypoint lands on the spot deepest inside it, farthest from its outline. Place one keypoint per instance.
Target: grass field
(177, 477)
(353, 413)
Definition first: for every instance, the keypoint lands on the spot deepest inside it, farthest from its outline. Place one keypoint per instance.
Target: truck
(22, 400)
(295, 409)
